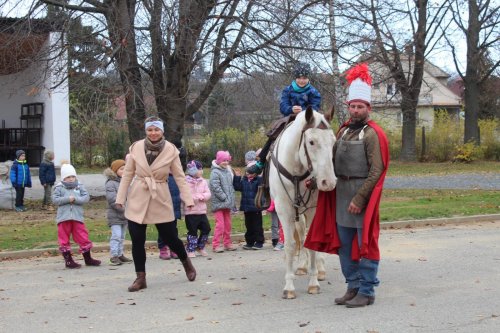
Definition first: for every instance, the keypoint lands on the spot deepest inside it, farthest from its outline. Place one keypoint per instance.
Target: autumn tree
(164, 41)
(479, 25)
(399, 35)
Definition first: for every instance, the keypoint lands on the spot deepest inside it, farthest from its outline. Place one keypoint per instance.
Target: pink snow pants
(222, 228)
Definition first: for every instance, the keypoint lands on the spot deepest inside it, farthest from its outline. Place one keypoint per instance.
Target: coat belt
(151, 182)
(350, 177)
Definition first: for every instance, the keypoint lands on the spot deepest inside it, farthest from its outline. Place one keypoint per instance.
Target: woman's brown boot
(139, 283)
(189, 269)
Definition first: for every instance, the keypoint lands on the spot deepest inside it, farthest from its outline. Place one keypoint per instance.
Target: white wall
(34, 85)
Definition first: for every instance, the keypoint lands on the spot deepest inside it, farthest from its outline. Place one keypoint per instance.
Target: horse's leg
(303, 256)
(320, 263)
(313, 287)
(288, 230)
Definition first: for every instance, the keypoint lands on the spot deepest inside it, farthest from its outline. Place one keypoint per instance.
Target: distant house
(434, 95)
(34, 105)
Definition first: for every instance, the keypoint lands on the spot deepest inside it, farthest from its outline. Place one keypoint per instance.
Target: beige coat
(148, 198)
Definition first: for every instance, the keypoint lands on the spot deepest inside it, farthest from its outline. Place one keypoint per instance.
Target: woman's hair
(152, 118)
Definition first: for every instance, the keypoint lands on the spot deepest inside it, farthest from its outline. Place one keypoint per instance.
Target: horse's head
(316, 148)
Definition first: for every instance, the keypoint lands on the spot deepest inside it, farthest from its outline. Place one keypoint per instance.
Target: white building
(434, 96)
(34, 105)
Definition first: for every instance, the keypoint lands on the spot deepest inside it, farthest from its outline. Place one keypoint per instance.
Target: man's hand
(71, 199)
(296, 109)
(118, 206)
(353, 209)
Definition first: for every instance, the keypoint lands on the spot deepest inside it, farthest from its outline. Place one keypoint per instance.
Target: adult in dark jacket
(20, 177)
(295, 98)
(47, 175)
(165, 252)
(248, 186)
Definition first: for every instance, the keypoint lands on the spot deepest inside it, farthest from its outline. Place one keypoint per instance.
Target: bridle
(300, 199)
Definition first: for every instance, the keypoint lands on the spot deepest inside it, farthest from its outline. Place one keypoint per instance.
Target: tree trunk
(471, 82)
(408, 148)
(337, 91)
(120, 19)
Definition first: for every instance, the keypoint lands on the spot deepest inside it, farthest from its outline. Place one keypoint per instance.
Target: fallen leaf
(304, 324)
(132, 303)
(237, 303)
(214, 322)
(83, 317)
(189, 318)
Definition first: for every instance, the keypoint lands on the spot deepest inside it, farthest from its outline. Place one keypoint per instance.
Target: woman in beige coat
(143, 187)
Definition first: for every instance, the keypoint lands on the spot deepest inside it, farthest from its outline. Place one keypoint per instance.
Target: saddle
(263, 196)
(278, 125)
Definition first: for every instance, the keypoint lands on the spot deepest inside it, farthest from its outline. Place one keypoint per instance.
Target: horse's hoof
(313, 290)
(289, 294)
(321, 276)
(301, 271)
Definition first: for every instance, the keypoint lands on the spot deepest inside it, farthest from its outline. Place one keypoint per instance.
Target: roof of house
(21, 40)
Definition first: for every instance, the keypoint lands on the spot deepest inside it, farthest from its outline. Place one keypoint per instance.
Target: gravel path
(486, 181)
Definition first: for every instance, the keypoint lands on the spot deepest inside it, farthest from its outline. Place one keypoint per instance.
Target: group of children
(69, 195)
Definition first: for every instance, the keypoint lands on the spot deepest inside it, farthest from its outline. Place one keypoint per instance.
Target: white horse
(302, 153)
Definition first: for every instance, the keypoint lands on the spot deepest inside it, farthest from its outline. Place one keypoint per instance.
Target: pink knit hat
(222, 156)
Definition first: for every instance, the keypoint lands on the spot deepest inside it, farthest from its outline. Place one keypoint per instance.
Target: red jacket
(322, 235)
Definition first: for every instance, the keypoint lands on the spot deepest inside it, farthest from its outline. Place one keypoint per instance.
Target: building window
(391, 89)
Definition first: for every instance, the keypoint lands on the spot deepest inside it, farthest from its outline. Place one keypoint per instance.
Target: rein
(299, 199)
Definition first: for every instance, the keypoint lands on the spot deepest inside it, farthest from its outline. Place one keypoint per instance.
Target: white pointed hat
(360, 84)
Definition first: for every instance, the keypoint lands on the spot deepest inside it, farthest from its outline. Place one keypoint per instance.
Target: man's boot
(68, 260)
(89, 261)
(139, 282)
(359, 301)
(349, 294)
(189, 269)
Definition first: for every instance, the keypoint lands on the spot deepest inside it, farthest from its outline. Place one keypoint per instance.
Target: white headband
(156, 123)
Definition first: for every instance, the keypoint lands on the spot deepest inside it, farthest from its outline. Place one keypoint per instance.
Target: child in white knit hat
(69, 196)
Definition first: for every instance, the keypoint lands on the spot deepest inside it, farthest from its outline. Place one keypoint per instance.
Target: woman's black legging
(168, 234)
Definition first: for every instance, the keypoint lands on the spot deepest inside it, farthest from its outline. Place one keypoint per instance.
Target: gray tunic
(351, 169)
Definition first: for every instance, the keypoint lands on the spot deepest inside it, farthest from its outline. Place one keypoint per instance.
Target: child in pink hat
(221, 187)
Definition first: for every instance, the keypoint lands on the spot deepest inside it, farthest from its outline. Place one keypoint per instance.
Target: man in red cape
(347, 219)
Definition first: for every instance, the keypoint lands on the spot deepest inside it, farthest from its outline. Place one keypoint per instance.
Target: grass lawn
(36, 228)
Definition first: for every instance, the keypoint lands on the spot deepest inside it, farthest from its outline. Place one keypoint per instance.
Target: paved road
(442, 279)
(488, 181)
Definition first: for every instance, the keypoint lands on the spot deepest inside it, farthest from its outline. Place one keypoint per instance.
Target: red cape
(322, 235)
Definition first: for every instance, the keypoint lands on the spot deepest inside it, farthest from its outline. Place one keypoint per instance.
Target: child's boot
(173, 255)
(124, 259)
(139, 282)
(89, 261)
(192, 242)
(202, 241)
(275, 241)
(165, 253)
(68, 260)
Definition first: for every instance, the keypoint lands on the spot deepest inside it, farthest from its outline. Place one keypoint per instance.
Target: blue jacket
(47, 173)
(20, 175)
(289, 98)
(175, 193)
(248, 192)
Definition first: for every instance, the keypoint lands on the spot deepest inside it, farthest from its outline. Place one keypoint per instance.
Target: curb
(241, 237)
